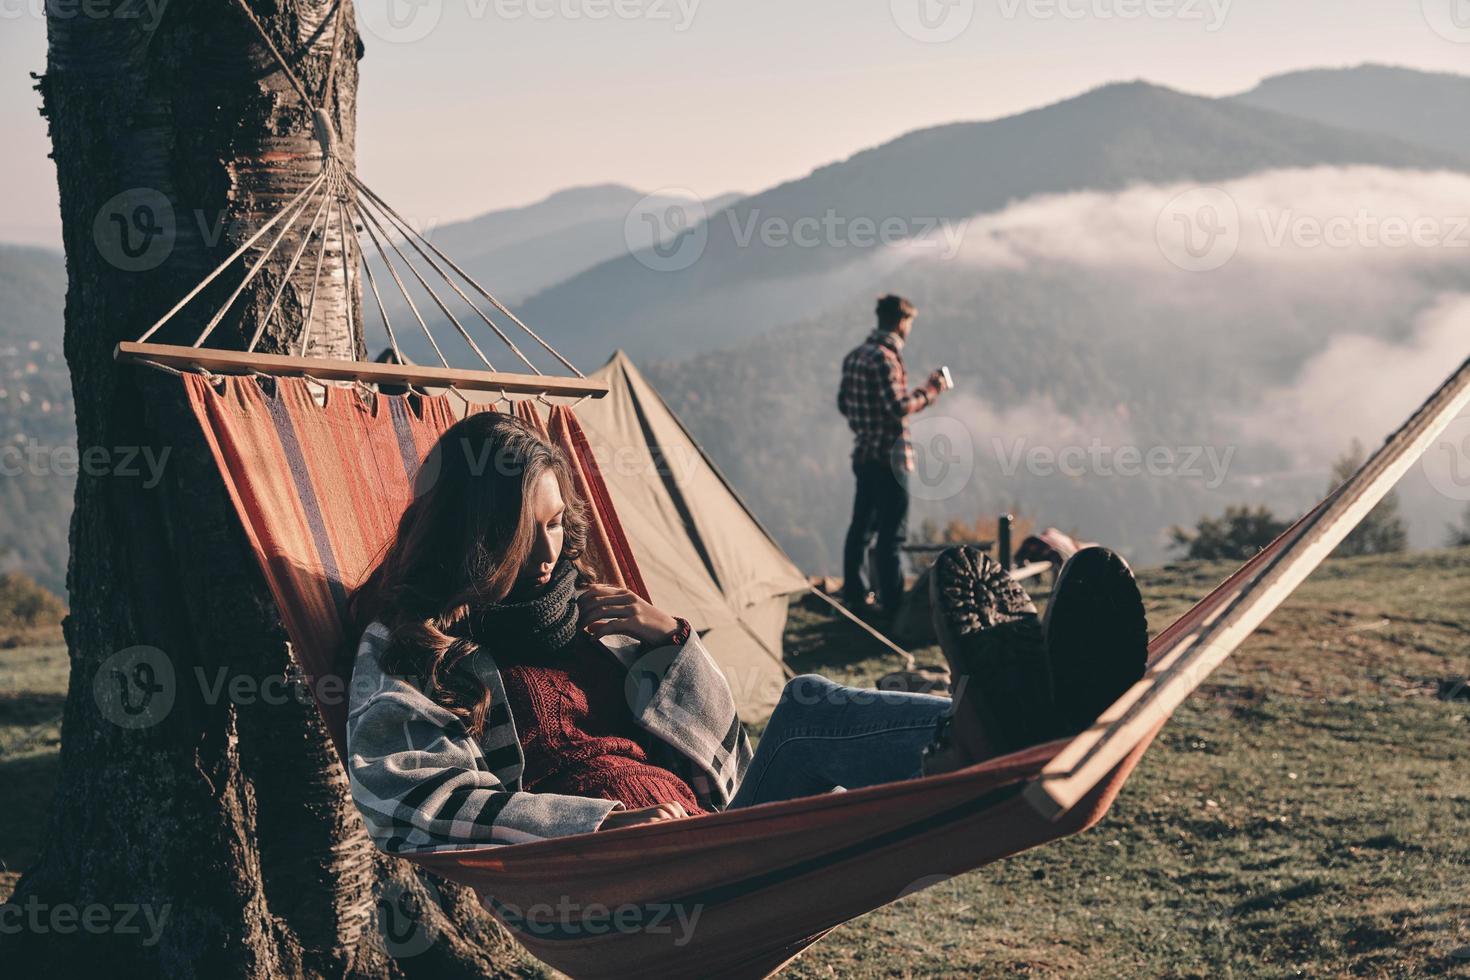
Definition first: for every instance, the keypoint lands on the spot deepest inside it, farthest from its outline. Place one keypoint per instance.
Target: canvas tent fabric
(703, 555)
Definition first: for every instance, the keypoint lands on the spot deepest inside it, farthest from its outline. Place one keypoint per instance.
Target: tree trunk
(201, 826)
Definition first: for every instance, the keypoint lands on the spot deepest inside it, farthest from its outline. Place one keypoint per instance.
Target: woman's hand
(607, 609)
(649, 814)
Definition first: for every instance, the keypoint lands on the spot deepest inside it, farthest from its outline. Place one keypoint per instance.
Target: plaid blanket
(423, 783)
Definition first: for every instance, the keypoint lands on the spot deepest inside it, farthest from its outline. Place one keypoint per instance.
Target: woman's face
(547, 509)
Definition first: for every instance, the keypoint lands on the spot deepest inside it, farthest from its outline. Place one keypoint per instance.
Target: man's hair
(893, 310)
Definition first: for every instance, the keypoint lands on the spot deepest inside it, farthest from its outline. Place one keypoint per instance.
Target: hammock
(319, 474)
(318, 489)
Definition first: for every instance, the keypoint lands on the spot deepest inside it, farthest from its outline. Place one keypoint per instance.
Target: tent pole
(908, 658)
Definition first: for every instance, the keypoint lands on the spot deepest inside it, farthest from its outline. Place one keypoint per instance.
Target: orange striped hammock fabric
(319, 490)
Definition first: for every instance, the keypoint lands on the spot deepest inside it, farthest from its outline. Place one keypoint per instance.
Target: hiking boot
(1096, 636)
(992, 638)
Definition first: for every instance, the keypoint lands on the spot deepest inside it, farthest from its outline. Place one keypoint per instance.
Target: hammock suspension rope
(332, 202)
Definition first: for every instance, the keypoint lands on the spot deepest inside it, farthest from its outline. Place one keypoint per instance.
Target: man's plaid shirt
(875, 398)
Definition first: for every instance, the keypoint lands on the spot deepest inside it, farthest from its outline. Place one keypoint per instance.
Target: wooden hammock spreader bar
(1186, 660)
(330, 369)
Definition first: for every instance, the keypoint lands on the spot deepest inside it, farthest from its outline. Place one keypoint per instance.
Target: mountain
(746, 280)
(520, 251)
(33, 282)
(1062, 323)
(36, 417)
(1400, 103)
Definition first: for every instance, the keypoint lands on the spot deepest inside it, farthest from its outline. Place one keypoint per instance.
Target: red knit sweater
(578, 734)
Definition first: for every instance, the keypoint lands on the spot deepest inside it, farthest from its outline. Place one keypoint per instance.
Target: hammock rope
(402, 289)
(280, 59)
(489, 297)
(287, 275)
(309, 317)
(244, 247)
(337, 193)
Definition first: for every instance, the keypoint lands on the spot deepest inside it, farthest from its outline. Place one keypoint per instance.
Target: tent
(703, 554)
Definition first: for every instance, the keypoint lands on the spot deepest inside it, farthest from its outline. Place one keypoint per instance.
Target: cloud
(1338, 301)
(1327, 405)
(1304, 218)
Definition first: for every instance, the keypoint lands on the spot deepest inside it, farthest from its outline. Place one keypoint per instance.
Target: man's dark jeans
(881, 505)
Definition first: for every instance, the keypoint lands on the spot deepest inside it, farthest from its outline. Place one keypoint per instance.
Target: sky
(468, 106)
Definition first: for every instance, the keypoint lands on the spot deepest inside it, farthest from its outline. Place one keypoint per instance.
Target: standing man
(874, 397)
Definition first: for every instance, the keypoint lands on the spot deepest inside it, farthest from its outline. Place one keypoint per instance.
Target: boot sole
(1096, 634)
(1000, 660)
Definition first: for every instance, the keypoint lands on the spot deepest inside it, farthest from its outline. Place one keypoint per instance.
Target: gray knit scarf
(532, 629)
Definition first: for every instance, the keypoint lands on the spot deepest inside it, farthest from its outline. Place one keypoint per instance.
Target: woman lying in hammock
(498, 698)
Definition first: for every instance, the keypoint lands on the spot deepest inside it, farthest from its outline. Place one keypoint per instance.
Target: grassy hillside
(1306, 814)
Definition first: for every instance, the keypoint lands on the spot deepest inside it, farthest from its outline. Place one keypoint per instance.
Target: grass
(32, 692)
(1306, 814)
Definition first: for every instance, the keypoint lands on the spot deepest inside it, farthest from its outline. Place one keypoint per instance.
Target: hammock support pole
(328, 369)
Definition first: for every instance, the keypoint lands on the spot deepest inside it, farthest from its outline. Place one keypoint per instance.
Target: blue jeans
(823, 735)
(881, 504)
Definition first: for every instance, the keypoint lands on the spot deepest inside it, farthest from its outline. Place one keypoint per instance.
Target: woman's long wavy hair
(463, 541)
